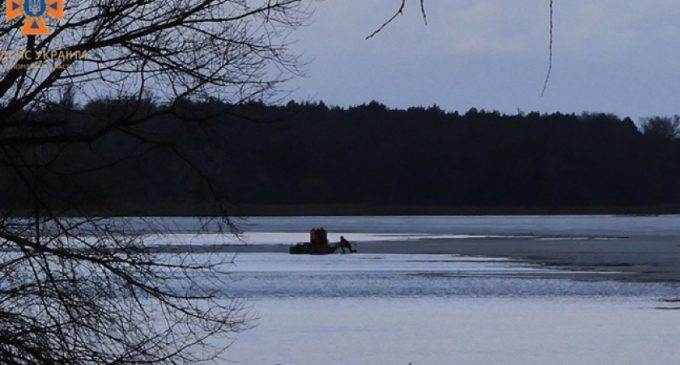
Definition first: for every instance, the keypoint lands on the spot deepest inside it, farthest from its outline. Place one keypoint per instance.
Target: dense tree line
(369, 154)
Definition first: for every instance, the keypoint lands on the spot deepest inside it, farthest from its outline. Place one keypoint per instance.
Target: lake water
(289, 230)
(442, 309)
(445, 309)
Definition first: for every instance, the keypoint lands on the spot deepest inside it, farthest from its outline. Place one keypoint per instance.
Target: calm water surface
(605, 225)
(442, 309)
(446, 309)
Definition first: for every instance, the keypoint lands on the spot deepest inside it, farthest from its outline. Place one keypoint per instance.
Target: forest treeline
(368, 155)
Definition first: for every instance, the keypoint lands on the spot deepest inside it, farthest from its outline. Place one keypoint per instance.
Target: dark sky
(610, 55)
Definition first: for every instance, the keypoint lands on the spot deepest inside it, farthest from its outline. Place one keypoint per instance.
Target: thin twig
(399, 11)
(550, 50)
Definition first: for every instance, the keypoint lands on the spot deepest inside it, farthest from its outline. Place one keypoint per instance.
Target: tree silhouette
(665, 128)
(77, 288)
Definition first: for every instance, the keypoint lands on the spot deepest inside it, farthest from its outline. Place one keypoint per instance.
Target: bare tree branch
(550, 49)
(78, 287)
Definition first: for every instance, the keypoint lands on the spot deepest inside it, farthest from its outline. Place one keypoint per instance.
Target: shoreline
(627, 259)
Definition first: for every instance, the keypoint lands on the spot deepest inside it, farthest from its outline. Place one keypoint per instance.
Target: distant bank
(405, 210)
(309, 159)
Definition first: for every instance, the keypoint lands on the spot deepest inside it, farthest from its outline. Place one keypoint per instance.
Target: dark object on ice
(309, 249)
(317, 245)
(318, 237)
(344, 244)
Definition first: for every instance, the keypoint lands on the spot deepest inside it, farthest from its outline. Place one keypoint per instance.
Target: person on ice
(345, 244)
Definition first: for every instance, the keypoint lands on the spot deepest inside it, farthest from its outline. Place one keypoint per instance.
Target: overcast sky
(620, 56)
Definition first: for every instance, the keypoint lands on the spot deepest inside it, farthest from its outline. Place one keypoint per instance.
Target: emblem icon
(34, 13)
